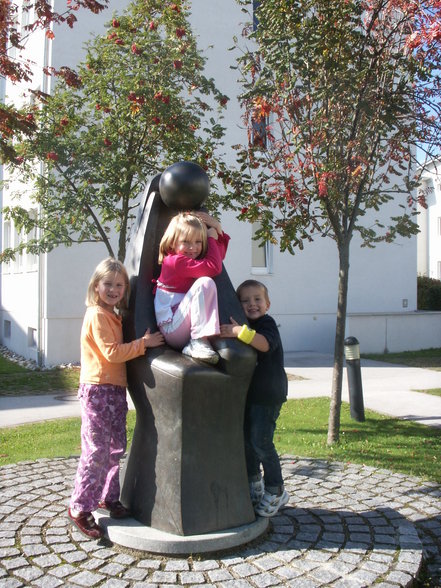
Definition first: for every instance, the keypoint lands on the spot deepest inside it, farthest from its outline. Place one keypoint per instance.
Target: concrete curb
(134, 535)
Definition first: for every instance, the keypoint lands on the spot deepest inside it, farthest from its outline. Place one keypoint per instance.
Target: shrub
(428, 293)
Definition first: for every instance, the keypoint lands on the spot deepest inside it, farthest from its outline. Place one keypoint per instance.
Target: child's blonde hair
(182, 225)
(103, 269)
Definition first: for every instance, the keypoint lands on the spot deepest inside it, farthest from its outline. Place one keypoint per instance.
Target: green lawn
(424, 358)
(15, 379)
(433, 391)
(302, 430)
(380, 441)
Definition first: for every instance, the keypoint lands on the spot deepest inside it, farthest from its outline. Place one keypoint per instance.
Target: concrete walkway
(345, 525)
(387, 388)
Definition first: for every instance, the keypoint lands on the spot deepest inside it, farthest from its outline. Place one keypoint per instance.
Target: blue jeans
(259, 427)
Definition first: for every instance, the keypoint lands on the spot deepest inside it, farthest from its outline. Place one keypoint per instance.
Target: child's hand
(153, 339)
(210, 221)
(230, 330)
(212, 233)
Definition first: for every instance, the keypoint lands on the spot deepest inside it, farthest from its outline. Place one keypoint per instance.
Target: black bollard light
(352, 355)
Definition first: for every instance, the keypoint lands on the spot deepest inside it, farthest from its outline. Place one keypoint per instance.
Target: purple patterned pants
(103, 443)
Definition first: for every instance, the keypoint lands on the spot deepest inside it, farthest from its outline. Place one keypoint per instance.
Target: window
(258, 132)
(12, 238)
(32, 337)
(12, 50)
(18, 238)
(7, 329)
(261, 255)
(32, 258)
(255, 19)
(26, 15)
(6, 243)
(439, 226)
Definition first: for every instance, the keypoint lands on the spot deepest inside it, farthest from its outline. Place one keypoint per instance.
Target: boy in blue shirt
(266, 394)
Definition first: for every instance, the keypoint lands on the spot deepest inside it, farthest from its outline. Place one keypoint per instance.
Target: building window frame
(32, 258)
(7, 234)
(261, 255)
(258, 132)
(32, 338)
(7, 329)
(256, 4)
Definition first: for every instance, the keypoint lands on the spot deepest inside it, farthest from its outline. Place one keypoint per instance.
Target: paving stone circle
(345, 526)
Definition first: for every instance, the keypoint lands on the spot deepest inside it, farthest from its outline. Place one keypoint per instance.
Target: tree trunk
(337, 376)
(122, 242)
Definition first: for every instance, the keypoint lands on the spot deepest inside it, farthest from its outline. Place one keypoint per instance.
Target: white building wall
(429, 239)
(19, 314)
(67, 274)
(50, 299)
(423, 235)
(19, 280)
(303, 288)
(383, 333)
(434, 229)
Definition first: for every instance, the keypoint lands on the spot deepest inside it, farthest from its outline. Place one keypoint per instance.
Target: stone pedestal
(185, 473)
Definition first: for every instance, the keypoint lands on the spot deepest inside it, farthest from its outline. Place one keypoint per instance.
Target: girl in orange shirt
(102, 395)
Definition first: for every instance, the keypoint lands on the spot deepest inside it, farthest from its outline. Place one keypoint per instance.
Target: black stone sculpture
(185, 473)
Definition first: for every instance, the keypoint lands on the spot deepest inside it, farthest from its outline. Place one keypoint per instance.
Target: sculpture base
(134, 535)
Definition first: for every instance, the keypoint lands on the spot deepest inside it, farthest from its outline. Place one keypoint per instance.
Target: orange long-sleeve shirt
(103, 353)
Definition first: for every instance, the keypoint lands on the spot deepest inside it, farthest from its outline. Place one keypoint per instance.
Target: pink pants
(103, 443)
(196, 316)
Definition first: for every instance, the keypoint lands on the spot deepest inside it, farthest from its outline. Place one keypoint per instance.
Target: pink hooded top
(179, 272)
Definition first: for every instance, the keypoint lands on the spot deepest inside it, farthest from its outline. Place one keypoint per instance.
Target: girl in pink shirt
(191, 253)
(102, 395)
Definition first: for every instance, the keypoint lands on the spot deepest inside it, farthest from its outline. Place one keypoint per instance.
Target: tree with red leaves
(17, 67)
(338, 97)
(126, 113)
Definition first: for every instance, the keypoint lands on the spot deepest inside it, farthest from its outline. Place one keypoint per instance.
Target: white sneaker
(201, 349)
(271, 503)
(257, 490)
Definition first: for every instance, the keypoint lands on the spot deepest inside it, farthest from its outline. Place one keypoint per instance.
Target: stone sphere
(184, 186)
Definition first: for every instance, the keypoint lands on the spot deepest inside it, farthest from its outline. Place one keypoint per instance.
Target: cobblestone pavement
(346, 525)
